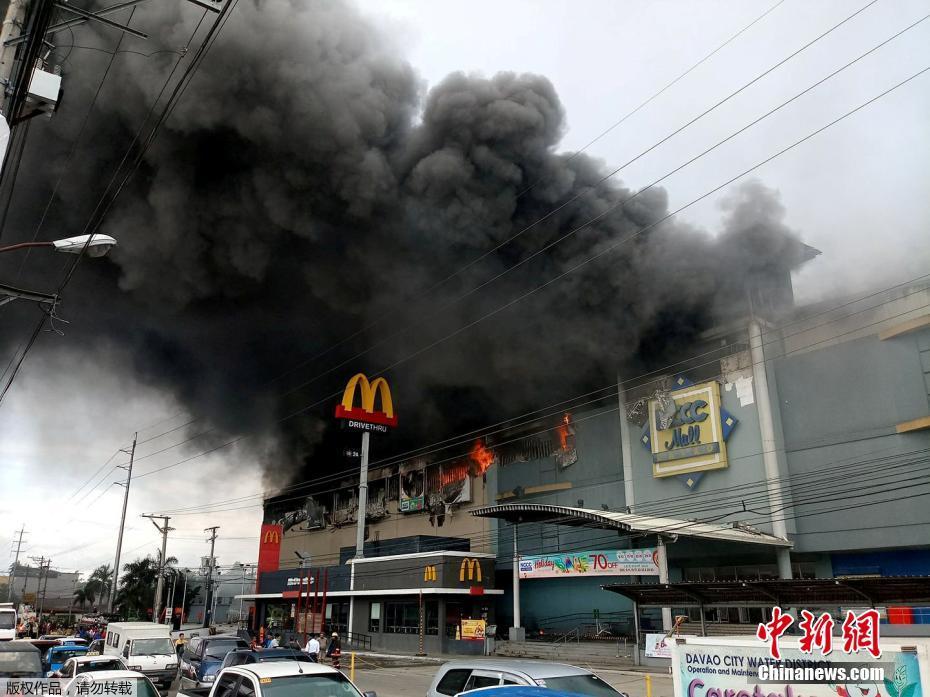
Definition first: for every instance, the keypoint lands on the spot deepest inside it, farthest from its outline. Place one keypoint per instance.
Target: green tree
(80, 597)
(102, 577)
(136, 591)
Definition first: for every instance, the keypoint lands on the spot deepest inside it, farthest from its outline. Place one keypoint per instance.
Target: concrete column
(517, 633)
(626, 453)
(769, 456)
(663, 578)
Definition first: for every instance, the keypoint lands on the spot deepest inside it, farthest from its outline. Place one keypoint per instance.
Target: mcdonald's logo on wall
(360, 416)
(471, 567)
(429, 573)
(269, 548)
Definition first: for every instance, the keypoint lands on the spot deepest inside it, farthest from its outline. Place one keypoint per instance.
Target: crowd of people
(313, 648)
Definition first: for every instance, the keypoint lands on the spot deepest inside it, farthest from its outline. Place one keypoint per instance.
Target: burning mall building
(789, 442)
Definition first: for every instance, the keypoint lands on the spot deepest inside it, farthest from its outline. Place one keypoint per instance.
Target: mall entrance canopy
(823, 593)
(664, 529)
(626, 522)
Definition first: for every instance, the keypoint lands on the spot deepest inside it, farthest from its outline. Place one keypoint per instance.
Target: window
(479, 680)
(246, 688)
(582, 684)
(374, 618)
(403, 617)
(453, 682)
(310, 685)
(226, 687)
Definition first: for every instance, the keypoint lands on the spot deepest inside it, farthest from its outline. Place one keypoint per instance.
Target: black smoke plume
(308, 185)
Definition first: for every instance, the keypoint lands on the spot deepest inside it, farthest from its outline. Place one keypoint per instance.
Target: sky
(858, 192)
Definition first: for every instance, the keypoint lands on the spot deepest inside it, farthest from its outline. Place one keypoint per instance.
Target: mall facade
(788, 448)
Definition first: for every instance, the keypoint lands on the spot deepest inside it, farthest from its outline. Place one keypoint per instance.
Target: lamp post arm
(25, 245)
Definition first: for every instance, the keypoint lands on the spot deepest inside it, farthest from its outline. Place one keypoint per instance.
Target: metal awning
(626, 522)
(821, 592)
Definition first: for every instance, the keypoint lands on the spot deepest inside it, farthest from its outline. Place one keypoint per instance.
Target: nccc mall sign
(365, 417)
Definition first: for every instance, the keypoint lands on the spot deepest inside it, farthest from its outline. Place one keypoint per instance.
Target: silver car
(456, 677)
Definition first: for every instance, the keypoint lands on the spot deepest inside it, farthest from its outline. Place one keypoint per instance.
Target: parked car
(140, 685)
(456, 677)
(242, 657)
(95, 648)
(84, 664)
(278, 678)
(43, 645)
(73, 640)
(20, 659)
(57, 655)
(203, 657)
(517, 691)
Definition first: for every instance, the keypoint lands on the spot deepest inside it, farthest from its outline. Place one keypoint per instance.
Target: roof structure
(820, 592)
(626, 522)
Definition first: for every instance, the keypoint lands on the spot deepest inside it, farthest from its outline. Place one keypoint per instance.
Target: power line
(578, 195)
(445, 444)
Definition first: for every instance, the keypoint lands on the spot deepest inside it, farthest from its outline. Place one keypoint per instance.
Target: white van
(145, 647)
(7, 621)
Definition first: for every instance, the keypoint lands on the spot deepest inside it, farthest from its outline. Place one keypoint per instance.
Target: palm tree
(102, 577)
(80, 597)
(137, 585)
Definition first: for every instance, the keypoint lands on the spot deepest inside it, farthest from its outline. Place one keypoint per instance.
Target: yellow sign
(366, 412)
(473, 630)
(272, 536)
(685, 433)
(473, 567)
(429, 573)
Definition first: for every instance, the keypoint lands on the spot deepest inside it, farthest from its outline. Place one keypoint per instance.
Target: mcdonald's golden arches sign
(366, 413)
(429, 573)
(470, 570)
(269, 547)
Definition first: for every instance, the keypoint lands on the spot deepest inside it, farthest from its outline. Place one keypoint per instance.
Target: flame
(454, 474)
(564, 430)
(481, 456)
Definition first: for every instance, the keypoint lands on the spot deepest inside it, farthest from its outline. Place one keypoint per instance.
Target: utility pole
(184, 595)
(12, 26)
(40, 561)
(74, 583)
(211, 563)
(163, 529)
(19, 546)
(174, 583)
(122, 522)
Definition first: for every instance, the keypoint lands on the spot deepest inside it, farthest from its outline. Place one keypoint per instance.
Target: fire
(481, 456)
(564, 429)
(454, 474)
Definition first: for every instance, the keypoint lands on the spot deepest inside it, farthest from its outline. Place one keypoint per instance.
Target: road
(415, 680)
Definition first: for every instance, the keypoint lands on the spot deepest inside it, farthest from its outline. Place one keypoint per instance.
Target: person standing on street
(313, 648)
(334, 650)
(179, 644)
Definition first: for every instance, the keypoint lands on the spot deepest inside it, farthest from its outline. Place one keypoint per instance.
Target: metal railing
(357, 640)
(572, 635)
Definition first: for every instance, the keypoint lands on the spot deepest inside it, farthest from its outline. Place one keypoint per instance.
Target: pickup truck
(203, 657)
(278, 679)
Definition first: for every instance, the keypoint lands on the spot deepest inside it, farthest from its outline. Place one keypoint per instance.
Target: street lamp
(96, 245)
(92, 245)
